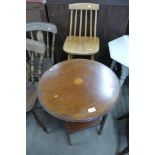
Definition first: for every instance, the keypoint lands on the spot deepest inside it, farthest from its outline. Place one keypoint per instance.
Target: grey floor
(85, 142)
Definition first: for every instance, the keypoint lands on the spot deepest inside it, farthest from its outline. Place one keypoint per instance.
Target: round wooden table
(78, 90)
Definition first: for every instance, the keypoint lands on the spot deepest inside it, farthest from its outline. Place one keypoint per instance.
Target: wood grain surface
(84, 6)
(78, 90)
(81, 45)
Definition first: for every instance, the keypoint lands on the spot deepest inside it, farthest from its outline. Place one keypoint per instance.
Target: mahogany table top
(78, 90)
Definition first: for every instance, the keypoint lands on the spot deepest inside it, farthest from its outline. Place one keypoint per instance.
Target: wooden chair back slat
(80, 28)
(47, 45)
(71, 23)
(29, 53)
(40, 39)
(90, 23)
(75, 21)
(40, 66)
(53, 45)
(32, 68)
(95, 23)
(32, 37)
(28, 72)
(85, 23)
(31, 33)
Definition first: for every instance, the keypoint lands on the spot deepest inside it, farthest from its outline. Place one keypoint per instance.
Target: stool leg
(102, 124)
(113, 64)
(124, 74)
(92, 57)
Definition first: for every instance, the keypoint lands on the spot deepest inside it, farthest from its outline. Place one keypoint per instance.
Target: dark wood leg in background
(102, 124)
(72, 127)
(68, 137)
(40, 121)
(125, 150)
(67, 133)
(38, 117)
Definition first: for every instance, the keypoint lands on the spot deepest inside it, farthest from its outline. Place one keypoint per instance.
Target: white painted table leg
(113, 64)
(124, 74)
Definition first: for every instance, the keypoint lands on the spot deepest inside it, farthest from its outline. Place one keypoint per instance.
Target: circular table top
(78, 90)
